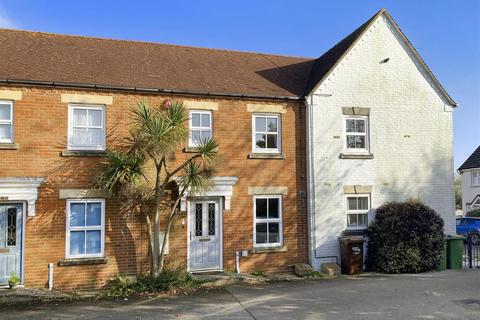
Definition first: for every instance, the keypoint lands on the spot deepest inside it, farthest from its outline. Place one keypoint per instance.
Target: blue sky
(446, 33)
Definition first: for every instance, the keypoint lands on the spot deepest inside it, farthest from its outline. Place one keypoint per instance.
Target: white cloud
(5, 20)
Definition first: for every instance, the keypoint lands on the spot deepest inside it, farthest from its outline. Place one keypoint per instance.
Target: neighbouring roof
(118, 64)
(472, 162)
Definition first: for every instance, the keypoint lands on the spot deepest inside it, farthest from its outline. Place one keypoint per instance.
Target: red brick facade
(40, 129)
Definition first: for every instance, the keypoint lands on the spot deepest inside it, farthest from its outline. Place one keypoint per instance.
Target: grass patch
(259, 273)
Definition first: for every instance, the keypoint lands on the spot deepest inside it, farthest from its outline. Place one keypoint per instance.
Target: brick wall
(41, 132)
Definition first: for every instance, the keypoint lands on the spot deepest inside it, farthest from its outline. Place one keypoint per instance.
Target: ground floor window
(357, 211)
(85, 228)
(267, 221)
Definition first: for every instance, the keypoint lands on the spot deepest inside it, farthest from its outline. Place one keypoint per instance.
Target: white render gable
(409, 136)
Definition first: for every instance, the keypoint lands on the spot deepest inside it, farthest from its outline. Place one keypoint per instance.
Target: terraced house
(309, 146)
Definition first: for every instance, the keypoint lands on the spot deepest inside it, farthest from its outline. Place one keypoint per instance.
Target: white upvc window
(267, 229)
(358, 207)
(267, 133)
(200, 127)
(476, 178)
(356, 134)
(85, 228)
(6, 121)
(86, 127)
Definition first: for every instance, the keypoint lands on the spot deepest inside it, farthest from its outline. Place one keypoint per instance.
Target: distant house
(470, 173)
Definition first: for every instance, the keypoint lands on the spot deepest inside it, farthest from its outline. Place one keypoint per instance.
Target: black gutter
(142, 90)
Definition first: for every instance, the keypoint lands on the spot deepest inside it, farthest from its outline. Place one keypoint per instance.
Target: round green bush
(405, 237)
(473, 213)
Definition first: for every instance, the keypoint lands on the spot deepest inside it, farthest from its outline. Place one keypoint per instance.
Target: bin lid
(351, 239)
(455, 237)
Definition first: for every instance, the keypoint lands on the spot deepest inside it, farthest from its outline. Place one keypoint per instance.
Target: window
(200, 127)
(11, 227)
(6, 122)
(356, 133)
(266, 133)
(475, 178)
(86, 127)
(357, 211)
(85, 228)
(268, 221)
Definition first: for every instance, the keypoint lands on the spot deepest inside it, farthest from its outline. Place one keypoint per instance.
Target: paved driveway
(440, 295)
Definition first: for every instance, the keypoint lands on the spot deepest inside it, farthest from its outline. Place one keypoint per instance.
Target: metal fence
(471, 251)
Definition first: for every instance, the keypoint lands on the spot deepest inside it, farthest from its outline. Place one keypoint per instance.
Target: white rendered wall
(410, 136)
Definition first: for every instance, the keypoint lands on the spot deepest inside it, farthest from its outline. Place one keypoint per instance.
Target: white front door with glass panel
(205, 235)
(11, 217)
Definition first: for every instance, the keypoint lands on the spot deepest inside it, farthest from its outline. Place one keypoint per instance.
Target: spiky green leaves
(120, 170)
(159, 132)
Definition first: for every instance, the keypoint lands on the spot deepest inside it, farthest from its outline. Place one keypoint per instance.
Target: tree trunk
(156, 224)
(150, 237)
(167, 232)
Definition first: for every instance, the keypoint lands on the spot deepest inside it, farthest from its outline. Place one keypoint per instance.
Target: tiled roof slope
(83, 60)
(118, 64)
(472, 162)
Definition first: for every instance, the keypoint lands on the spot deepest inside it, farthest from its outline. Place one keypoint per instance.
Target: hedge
(405, 237)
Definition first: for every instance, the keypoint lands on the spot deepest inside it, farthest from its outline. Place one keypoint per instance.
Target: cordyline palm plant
(157, 132)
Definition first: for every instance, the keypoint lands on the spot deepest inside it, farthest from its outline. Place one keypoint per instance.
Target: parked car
(469, 225)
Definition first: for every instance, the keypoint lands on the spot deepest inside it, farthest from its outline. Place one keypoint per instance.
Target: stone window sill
(190, 149)
(83, 153)
(278, 156)
(269, 249)
(9, 146)
(356, 156)
(81, 262)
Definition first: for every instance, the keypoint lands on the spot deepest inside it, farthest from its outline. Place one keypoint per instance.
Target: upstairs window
(86, 127)
(356, 133)
(357, 211)
(266, 133)
(200, 127)
(476, 178)
(85, 228)
(6, 122)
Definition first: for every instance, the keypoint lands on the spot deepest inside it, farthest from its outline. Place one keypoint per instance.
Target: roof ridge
(361, 30)
(153, 43)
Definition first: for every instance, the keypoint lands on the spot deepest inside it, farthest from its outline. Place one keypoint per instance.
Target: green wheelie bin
(443, 260)
(455, 252)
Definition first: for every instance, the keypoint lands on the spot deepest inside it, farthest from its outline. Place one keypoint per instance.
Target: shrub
(169, 279)
(259, 273)
(473, 213)
(13, 280)
(121, 286)
(405, 238)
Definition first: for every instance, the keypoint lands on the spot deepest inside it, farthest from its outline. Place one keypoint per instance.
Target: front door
(11, 217)
(205, 235)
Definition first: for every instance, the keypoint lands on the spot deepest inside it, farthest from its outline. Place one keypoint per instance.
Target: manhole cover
(469, 303)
